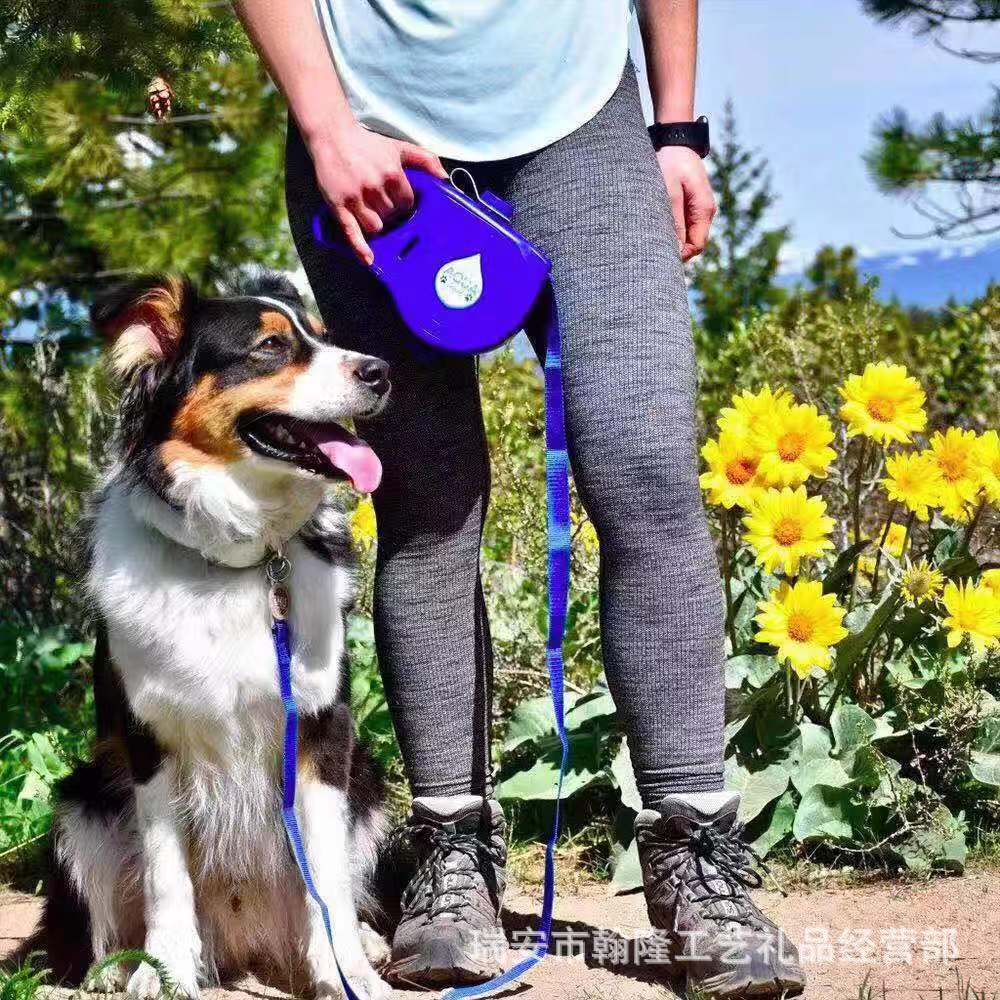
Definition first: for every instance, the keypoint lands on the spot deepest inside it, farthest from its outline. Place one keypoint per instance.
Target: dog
(171, 838)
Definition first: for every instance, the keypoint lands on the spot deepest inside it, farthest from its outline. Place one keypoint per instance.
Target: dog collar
(168, 521)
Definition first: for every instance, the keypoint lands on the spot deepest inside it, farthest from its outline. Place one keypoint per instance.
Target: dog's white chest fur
(192, 641)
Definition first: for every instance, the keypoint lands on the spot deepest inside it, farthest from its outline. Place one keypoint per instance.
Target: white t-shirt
(477, 79)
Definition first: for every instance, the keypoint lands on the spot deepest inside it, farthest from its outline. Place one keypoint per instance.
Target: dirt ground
(910, 940)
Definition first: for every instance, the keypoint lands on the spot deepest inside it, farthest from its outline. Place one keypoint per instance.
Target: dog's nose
(374, 372)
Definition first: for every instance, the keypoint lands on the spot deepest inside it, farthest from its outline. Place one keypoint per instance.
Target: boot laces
(716, 866)
(452, 873)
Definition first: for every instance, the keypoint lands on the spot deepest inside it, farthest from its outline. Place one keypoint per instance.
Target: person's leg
(596, 203)
(430, 621)
(431, 630)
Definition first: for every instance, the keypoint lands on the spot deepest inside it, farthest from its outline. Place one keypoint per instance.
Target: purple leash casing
(462, 278)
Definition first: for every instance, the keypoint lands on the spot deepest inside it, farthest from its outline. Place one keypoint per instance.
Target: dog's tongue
(349, 454)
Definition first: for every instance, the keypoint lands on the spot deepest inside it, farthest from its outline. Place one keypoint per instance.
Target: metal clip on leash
(278, 570)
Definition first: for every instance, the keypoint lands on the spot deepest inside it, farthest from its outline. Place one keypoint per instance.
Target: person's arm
(670, 38)
(359, 172)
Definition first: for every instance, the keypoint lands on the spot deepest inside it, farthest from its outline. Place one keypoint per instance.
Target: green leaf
(948, 545)
(756, 788)
(754, 668)
(537, 780)
(816, 741)
(864, 624)
(596, 704)
(34, 789)
(779, 825)
(985, 762)
(940, 844)
(852, 727)
(621, 769)
(775, 729)
(985, 767)
(820, 771)
(734, 728)
(842, 571)
(824, 813)
(529, 720)
(959, 567)
(627, 873)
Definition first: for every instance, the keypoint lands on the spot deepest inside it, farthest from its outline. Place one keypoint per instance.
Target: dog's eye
(271, 345)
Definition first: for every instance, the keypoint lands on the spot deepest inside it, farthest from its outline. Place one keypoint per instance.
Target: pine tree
(735, 276)
(951, 167)
(92, 187)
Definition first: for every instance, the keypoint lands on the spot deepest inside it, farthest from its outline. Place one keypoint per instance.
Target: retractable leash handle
(465, 281)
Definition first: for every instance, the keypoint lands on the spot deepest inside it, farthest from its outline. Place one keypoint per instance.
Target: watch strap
(694, 135)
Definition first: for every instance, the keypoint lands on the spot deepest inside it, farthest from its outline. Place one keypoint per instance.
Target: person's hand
(691, 196)
(360, 174)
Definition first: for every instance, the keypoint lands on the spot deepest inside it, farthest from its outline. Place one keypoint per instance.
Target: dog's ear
(144, 319)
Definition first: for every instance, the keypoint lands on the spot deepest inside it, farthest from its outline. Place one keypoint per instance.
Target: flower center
(952, 467)
(791, 445)
(788, 531)
(800, 627)
(741, 470)
(881, 409)
(919, 583)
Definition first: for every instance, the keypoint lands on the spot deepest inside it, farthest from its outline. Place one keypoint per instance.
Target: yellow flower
(363, 524)
(786, 526)
(794, 444)
(987, 459)
(584, 531)
(884, 403)
(744, 416)
(914, 480)
(731, 479)
(921, 582)
(954, 452)
(991, 579)
(973, 611)
(894, 540)
(803, 623)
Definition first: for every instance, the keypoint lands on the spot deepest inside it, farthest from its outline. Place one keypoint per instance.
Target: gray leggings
(596, 203)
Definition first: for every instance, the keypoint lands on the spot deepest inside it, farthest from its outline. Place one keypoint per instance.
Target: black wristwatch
(694, 135)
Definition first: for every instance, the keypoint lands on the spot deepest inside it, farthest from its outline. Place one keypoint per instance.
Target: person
(538, 100)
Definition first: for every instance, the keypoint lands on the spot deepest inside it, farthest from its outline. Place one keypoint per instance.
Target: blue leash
(281, 635)
(558, 527)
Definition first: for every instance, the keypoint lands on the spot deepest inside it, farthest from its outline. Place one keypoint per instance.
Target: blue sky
(809, 79)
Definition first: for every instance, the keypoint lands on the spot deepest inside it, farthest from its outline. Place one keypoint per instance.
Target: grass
(25, 981)
(962, 990)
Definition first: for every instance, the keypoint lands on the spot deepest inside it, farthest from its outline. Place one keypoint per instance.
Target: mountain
(930, 276)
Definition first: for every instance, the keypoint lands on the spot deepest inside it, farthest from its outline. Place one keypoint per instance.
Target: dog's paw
(368, 984)
(364, 980)
(145, 984)
(111, 979)
(377, 950)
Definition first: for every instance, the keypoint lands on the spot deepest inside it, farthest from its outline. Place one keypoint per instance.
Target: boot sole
(414, 973)
(748, 989)
(441, 962)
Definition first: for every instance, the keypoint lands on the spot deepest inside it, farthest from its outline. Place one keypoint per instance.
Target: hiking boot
(449, 929)
(697, 872)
